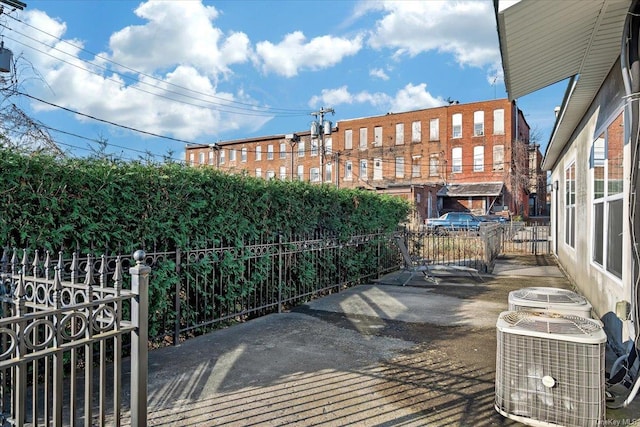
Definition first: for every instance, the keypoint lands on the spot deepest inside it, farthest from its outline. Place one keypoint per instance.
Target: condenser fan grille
(549, 295)
(550, 323)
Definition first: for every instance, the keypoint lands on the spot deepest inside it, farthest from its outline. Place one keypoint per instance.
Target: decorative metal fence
(520, 237)
(223, 284)
(61, 336)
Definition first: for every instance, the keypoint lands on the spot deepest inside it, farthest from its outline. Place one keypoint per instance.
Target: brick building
(457, 157)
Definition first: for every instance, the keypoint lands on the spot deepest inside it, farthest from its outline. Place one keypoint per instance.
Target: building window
(201, 158)
(498, 157)
(269, 152)
(456, 160)
(328, 175)
(222, 156)
(328, 146)
(314, 175)
(243, 155)
(415, 166)
(456, 122)
(377, 169)
(363, 138)
(192, 159)
(377, 136)
(258, 173)
(478, 123)
(232, 155)
(300, 172)
(399, 167)
(314, 147)
(211, 157)
(258, 153)
(608, 175)
(348, 171)
(498, 122)
(283, 150)
(433, 165)
(399, 133)
(416, 132)
(300, 148)
(570, 205)
(478, 158)
(348, 139)
(434, 130)
(271, 175)
(363, 170)
(283, 172)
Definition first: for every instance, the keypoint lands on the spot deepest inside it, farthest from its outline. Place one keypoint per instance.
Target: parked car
(494, 218)
(453, 221)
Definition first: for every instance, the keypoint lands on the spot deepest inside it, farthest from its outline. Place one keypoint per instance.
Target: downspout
(630, 62)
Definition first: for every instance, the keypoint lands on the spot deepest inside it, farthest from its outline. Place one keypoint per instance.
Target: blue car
(453, 221)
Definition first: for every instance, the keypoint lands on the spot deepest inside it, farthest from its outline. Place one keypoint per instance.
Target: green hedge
(98, 205)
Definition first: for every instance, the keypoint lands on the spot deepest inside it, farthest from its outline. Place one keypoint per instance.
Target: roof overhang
(545, 42)
(471, 190)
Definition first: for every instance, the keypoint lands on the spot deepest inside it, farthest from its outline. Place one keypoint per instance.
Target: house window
(243, 155)
(434, 130)
(348, 171)
(498, 122)
(433, 165)
(570, 205)
(314, 147)
(211, 157)
(271, 175)
(348, 139)
(363, 138)
(498, 157)
(258, 153)
(269, 152)
(258, 173)
(201, 158)
(416, 132)
(222, 155)
(399, 133)
(192, 159)
(328, 146)
(300, 148)
(456, 122)
(607, 165)
(283, 172)
(300, 172)
(415, 166)
(232, 155)
(363, 170)
(283, 150)
(314, 175)
(377, 169)
(377, 136)
(478, 158)
(399, 167)
(328, 172)
(478, 123)
(456, 160)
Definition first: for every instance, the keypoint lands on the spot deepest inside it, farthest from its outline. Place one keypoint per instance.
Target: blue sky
(202, 71)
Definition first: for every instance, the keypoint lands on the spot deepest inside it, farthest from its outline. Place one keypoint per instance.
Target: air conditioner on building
(561, 301)
(550, 369)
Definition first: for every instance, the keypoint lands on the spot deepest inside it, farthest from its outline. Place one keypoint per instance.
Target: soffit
(544, 42)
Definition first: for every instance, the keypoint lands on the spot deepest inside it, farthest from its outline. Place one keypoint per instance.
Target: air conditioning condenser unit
(556, 300)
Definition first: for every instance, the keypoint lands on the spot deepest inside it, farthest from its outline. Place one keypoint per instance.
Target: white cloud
(180, 57)
(295, 53)
(465, 29)
(379, 73)
(406, 99)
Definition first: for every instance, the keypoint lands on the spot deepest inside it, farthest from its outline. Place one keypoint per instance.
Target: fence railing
(61, 338)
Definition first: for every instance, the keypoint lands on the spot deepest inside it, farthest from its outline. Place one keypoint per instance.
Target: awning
(544, 42)
(471, 190)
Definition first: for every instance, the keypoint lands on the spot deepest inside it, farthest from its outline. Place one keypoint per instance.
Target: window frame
(456, 160)
(456, 128)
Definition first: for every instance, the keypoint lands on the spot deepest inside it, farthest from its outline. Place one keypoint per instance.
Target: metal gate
(62, 332)
(519, 237)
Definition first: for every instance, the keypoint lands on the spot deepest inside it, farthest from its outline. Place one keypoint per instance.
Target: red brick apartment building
(457, 157)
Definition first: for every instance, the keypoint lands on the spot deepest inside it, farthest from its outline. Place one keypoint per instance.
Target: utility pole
(319, 128)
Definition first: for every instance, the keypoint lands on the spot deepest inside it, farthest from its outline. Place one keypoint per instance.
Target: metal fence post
(279, 272)
(139, 339)
(176, 328)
